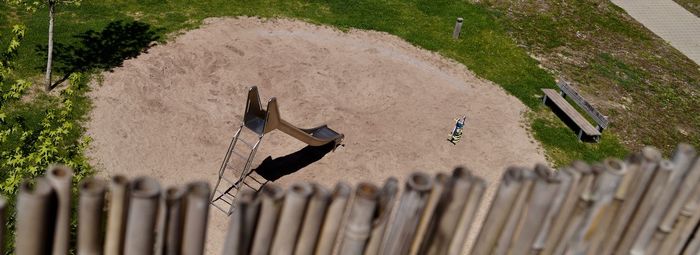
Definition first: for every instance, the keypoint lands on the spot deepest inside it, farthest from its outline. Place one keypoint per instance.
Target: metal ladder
(224, 196)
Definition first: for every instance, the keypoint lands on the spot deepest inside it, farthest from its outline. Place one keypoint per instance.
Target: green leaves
(33, 6)
(38, 132)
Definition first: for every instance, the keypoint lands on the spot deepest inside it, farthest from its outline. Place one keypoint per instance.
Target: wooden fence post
(290, 219)
(506, 195)
(402, 228)
(174, 220)
(358, 226)
(315, 212)
(331, 223)
(36, 218)
(116, 215)
(61, 178)
(385, 205)
(241, 225)
(90, 217)
(141, 219)
(196, 215)
(271, 204)
(476, 194)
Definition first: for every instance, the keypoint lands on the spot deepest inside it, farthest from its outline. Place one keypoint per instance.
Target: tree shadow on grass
(273, 169)
(106, 49)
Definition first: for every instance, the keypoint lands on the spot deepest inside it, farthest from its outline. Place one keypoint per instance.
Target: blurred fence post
(237, 237)
(116, 215)
(358, 226)
(61, 178)
(141, 220)
(507, 192)
(271, 204)
(315, 212)
(290, 219)
(90, 217)
(196, 215)
(331, 224)
(3, 220)
(36, 218)
(403, 227)
(385, 205)
(174, 220)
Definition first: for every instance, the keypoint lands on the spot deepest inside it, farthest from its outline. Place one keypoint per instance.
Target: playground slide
(313, 136)
(263, 122)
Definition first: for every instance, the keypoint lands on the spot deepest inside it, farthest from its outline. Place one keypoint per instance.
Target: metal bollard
(458, 28)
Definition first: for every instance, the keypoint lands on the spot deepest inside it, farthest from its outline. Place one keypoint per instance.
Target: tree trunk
(52, 5)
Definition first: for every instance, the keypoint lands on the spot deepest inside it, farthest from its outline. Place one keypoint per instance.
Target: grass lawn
(690, 5)
(649, 90)
(485, 45)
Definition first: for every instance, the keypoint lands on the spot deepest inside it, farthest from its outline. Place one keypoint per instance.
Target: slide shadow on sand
(273, 169)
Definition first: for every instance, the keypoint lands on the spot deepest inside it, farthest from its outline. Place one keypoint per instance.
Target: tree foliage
(35, 133)
(32, 6)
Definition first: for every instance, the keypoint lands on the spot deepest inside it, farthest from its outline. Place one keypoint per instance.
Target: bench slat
(569, 110)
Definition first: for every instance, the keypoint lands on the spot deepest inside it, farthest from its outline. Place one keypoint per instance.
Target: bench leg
(580, 134)
(544, 99)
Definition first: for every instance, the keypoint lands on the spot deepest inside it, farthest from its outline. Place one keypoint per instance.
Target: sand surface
(171, 113)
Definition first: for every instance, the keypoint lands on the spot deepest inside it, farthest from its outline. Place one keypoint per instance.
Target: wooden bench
(584, 128)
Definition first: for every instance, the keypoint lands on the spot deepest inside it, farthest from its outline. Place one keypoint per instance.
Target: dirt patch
(171, 113)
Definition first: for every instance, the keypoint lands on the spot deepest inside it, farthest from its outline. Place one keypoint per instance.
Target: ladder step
(222, 194)
(255, 179)
(227, 180)
(246, 143)
(239, 155)
(221, 209)
(225, 201)
(255, 189)
(251, 184)
(229, 202)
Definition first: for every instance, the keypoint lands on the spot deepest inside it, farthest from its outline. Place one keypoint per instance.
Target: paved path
(668, 20)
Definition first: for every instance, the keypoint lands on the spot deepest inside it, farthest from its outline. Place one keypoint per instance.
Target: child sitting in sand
(456, 134)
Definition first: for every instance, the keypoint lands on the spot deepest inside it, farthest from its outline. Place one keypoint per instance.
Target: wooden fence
(643, 204)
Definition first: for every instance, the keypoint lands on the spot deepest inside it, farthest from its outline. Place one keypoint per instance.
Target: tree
(37, 132)
(51, 4)
(104, 49)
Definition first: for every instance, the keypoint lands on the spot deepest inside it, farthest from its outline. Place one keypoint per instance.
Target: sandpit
(170, 113)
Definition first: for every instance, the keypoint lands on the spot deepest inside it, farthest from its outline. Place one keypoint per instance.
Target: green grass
(692, 6)
(484, 47)
(649, 90)
(563, 147)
